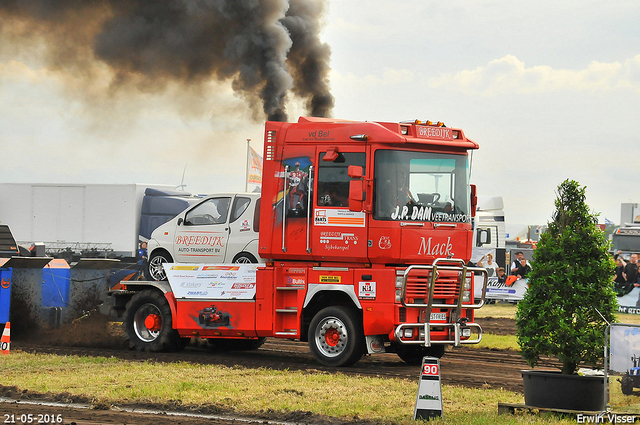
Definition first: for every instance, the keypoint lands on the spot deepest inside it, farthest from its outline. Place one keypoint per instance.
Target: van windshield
(421, 186)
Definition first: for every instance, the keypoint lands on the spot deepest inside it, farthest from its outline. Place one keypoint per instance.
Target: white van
(221, 228)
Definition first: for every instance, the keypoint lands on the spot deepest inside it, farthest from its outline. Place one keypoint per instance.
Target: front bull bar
(429, 285)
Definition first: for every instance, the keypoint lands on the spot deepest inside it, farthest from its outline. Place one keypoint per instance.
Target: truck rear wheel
(336, 337)
(413, 354)
(147, 323)
(155, 271)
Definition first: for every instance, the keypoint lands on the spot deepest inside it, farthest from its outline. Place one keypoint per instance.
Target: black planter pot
(552, 389)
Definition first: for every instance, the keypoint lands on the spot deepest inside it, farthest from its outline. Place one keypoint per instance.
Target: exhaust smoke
(266, 48)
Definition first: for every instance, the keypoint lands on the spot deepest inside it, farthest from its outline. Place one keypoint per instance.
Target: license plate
(438, 316)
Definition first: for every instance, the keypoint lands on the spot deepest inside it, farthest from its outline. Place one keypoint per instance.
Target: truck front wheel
(147, 323)
(155, 271)
(336, 337)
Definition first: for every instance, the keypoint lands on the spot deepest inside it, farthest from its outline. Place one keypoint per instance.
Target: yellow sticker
(330, 279)
(184, 267)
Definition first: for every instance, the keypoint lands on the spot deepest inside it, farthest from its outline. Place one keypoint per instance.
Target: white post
(246, 175)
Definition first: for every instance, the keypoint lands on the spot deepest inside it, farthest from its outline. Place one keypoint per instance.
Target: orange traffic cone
(5, 341)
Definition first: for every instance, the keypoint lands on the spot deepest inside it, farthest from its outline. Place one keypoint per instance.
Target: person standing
(630, 272)
(517, 263)
(619, 282)
(491, 267)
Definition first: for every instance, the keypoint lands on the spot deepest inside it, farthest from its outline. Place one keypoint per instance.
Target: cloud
(509, 75)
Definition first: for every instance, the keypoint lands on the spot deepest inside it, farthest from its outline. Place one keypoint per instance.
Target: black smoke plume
(267, 48)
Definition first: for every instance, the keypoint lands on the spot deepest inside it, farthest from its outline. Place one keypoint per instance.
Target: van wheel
(155, 271)
(244, 258)
(336, 337)
(148, 324)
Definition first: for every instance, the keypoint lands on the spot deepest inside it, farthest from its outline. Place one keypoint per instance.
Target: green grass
(497, 342)
(245, 391)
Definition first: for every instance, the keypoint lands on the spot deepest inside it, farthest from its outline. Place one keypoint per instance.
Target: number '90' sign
(430, 369)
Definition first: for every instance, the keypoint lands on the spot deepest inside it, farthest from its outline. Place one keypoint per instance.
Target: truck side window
(212, 211)
(333, 180)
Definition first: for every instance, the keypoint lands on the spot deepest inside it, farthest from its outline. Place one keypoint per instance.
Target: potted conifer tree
(566, 308)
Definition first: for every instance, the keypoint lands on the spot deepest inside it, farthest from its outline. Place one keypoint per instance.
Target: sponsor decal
(5, 283)
(234, 268)
(367, 290)
(190, 284)
(337, 240)
(296, 270)
(184, 267)
(339, 217)
(384, 242)
(187, 240)
(295, 281)
(422, 213)
(431, 247)
(442, 133)
(197, 293)
(319, 135)
(245, 226)
(321, 217)
(239, 285)
(331, 279)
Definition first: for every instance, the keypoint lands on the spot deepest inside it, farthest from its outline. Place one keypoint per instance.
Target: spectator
(619, 282)
(630, 271)
(492, 268)
(502, 277)
(522, 269)
(516, 264)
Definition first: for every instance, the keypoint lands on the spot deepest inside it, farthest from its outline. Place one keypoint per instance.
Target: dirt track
(464, 366)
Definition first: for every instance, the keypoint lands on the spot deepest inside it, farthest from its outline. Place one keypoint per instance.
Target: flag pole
(246, 177)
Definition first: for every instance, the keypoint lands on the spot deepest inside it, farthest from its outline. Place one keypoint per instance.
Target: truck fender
(109, 305)
(314, 288)
(139, 285)
(164, 286)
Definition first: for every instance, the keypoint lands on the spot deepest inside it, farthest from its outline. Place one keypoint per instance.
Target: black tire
(154, 269)
(336, 337)
(159, 338)
(626, 384)
(413, 354)
(244, 258)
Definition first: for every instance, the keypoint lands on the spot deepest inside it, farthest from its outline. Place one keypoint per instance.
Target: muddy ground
(93, 336)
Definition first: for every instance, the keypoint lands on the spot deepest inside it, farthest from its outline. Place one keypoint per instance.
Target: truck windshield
(421, 186)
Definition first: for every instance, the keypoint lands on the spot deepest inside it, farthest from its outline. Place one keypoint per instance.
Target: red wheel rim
(153, 322)
(332, 337)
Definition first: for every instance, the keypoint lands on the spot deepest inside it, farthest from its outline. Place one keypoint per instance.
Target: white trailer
(99, 217)
(489, 229)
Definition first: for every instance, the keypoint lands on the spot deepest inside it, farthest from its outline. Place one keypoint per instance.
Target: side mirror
(354, 171)
(474, 200)
(180, 220)
(483, 237)
(356, 188)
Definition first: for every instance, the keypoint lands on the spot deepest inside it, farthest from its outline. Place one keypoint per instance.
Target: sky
(549, 90)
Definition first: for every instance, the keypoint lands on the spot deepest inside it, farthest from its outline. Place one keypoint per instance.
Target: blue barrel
(55, 284)
(5, 291)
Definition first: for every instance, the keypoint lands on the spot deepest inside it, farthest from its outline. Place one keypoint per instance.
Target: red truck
(365, 229)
